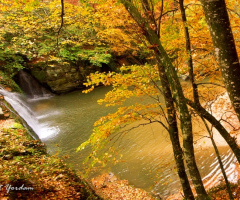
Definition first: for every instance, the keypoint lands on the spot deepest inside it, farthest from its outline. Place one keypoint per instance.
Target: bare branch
(169, 11)
(159, 20)
(62, 22)
(209, 83)
(120, 133)
(233, 11)
(224, 120)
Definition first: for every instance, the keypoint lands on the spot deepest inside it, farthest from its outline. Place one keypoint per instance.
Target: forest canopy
(166, 40)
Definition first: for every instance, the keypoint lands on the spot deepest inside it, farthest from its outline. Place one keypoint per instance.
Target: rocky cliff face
(62, 77)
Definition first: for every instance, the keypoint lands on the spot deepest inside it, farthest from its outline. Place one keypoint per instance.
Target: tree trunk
(174, 135)
(177, 93)
(216, 124)
(219, 160)
(225, 49)
(185, 119)
(196, 105)
(188, 48)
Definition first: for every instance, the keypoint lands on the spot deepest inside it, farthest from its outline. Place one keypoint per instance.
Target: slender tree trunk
(174, 135)
(219, 160)
(62, 21)
(225, 49)
(173, 129)
(186, 125)
(188, 48)
(232, 143)
(228, 138)
(190, 61)
(185, 117)
(196, 105)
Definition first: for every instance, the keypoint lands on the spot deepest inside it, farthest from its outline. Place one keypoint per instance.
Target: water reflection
(64, 122)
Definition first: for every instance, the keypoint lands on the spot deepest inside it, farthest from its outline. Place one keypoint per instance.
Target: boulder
(60, 77)
(64, 76)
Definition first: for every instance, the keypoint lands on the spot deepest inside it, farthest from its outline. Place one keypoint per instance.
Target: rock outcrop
(61, 77)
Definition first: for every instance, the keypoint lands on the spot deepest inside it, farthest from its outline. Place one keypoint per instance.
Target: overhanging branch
(62, 21)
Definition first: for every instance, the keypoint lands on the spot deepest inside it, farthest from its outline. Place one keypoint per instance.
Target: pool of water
(63, 122)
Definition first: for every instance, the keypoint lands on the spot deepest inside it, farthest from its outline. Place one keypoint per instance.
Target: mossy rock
(17, 126)
(39, 75)
(7, 81)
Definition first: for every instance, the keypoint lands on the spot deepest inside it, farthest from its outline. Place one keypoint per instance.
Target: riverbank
(109, 187)
(223, 111)
(28, 172)
(114, 188)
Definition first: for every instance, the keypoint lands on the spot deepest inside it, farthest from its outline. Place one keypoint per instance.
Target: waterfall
(21, 104)
(31, 86)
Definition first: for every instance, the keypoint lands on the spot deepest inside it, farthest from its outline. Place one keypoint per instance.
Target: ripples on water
(64, 122)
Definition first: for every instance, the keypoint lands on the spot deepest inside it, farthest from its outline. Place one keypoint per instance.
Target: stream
(63, 122)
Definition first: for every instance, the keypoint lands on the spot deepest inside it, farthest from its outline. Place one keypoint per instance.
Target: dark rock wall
(62, 77)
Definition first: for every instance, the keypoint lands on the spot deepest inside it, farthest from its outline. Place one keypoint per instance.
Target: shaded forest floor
(220, 192)
(109, 186)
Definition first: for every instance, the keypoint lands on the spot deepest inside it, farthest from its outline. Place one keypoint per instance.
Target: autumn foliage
(99, 31)
(137, 81)
(24, 161)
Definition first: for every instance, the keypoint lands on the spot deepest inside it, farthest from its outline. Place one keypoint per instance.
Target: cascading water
(31, 87)
(21, 105)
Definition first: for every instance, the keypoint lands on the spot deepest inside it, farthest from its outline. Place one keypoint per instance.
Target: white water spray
(20, 105)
